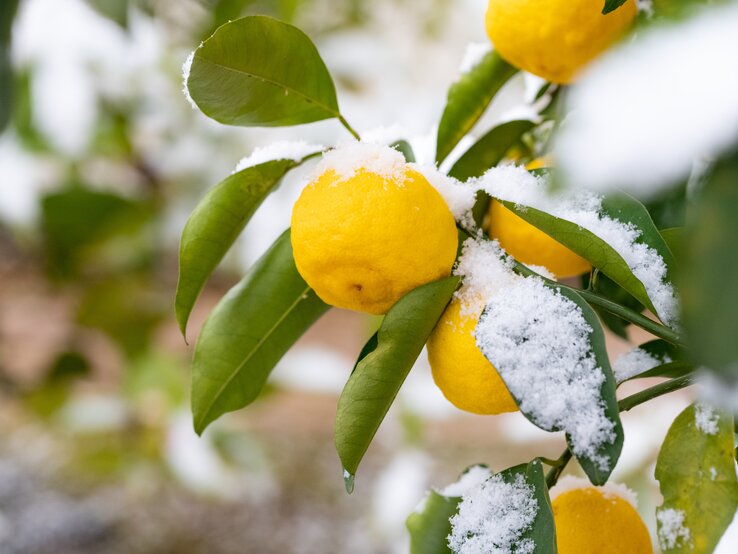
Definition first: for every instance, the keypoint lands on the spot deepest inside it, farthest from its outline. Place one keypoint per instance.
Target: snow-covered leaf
(429, 527)
(258, 71)
(248, 332)
(468, 98)
(490, 149)
(215, 224)
(383, 367)
(696, 472)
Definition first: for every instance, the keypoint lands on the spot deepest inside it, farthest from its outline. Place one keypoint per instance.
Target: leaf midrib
(272, 82)
(256, 347)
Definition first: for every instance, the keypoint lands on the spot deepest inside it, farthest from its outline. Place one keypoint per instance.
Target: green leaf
(489, 150)
(710, 273)
(612, 5)
(8, 10)
(604, 286)
(588, 245)
(430, 527)
(467, 100)
(258, 71)
(405, 149)
(248, 332)
(696, 473)
(215, 224)
(674, 238)
(378, 376)
(115, 10)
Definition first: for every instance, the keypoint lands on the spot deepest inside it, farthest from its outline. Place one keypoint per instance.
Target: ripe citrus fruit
(460, 370)
(597, 520)
(364, 240)
(554, 39)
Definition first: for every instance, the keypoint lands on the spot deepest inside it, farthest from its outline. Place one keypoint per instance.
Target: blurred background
(101, 161)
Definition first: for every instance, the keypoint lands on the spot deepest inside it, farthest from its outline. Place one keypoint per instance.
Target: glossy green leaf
(710, 273)
(588, 245)
(612, 5)
(405, 149)
(604, 286)
(248, 332)
(467, 100)
(489, 150)
(214, 226)
(696, 473)
(258, 71)
(430, 527)
(378, 376)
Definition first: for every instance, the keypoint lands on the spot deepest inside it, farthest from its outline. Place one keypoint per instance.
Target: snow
(539, 342)
(485, 270)
(493, 517)
(471, 479)
(294, 150)
(644, 112)
(459, 196)
(633, 363)
(350, 157)
(515, 184)
(474, 54)
(186, 68)
(672, 532)
(706, 419)
(713, 474)
(610, 489)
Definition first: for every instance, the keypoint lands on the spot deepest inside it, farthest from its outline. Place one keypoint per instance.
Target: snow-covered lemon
(554, 39)
(597, 520)
(369, 229)
(460, 370)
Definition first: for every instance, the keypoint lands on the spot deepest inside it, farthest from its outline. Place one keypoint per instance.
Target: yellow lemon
(364, 241)
(530, 245)
(554, 39)
(460, 370)
(594, 520)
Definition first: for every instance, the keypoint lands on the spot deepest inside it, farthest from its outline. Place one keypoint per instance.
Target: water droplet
(348, 480)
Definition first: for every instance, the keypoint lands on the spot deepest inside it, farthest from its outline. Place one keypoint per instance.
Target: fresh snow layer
(538, 340)
(634, 363)
(186, 68)
(672, 532)
(642, 114)
(459, 196)
(706, 419)
(515, 184)
(493, 517)
(475, 52)
(280, 150)
(470, 480)
(347, 159)
(609, 489)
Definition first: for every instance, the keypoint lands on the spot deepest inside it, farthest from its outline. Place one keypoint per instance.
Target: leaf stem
(627, 403)
(348, 127)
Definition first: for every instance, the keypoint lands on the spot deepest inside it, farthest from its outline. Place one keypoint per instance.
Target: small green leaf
(489, 150)
(258, 71)
(710, 273)
(430, 527)
(378, 376)
(612, 5)
(215, 224)
(8, 10)
(248, 332)
(696, 473)
(468, 98)
(588, 245)
(405, 149)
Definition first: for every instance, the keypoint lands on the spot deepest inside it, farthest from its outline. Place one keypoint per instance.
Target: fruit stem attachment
(627, 403)
(348, 127)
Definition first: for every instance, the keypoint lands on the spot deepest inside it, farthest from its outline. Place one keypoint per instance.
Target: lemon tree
(463, 256)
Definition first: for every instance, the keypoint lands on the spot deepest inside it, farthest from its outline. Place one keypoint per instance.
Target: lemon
(364, 241)
(554, 39)
(460, 370)
(530, 245)
(594, 520)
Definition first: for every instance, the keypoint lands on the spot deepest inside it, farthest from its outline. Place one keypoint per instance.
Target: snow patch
(493, 517)
(634, 363)
(459, 196)
(280, 150)
(672, 532)
(351, 157)
(470, 480)
(515, 184)
(609, 489)
(539, 342)
(645, 111)
(186, 68)
(706, 419)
